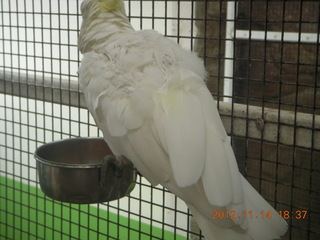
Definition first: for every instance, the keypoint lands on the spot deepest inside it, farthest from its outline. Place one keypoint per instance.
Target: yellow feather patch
(111, 5)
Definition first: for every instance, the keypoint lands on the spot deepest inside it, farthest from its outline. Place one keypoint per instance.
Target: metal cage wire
(263, 69)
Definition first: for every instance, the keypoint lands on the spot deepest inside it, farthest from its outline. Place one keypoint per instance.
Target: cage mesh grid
(40, 103)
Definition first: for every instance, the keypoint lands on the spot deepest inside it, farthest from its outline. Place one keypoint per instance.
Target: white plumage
(149, 98)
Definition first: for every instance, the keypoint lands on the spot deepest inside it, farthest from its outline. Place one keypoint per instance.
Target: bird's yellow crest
(111, 5)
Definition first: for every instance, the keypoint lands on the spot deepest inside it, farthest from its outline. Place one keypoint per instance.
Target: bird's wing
(193, 134)
(221, 177)
(121, 112)
(179, 122)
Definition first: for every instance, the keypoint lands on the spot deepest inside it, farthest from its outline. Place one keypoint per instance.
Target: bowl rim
(66, 165)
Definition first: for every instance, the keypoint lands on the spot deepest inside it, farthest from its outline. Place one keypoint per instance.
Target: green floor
(25, 213)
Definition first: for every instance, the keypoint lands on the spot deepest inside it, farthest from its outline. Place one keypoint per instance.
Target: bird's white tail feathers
(215, 232)
(259, 225)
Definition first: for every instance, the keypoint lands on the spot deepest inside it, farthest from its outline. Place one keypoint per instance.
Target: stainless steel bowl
(83, 170)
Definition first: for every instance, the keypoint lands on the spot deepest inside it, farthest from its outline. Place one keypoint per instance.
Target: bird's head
(102, 5)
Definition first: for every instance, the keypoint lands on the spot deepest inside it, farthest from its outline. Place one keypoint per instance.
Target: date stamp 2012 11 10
(298, 214)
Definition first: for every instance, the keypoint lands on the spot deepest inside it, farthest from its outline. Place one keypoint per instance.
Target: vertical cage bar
(229, 51)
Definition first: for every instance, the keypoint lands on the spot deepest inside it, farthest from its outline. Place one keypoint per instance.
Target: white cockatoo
(149, 98)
